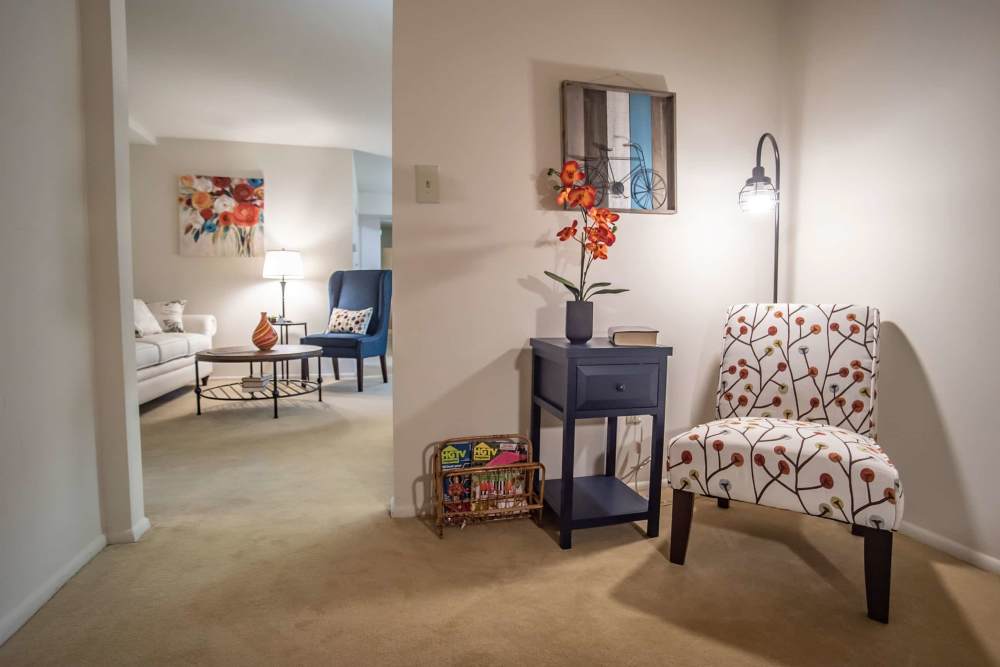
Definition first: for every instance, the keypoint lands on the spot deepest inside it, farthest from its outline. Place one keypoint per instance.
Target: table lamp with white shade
(283, 265)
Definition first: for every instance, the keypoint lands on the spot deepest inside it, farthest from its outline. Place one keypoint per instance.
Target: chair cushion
(349, 321)
(146, 355)
(805, 467)
(333, 340)
(357, 290)
(800, 361)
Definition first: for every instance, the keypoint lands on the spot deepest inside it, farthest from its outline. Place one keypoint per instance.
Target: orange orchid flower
(595, 230)
(583, 196)
(566, 233)
(603, 216)
(598, 250)
(601, 234)
(571, 174)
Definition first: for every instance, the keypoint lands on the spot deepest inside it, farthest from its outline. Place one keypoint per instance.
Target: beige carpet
(271, 545)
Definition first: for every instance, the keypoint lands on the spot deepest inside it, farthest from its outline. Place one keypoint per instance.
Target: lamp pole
(777, 198)
(283, 297)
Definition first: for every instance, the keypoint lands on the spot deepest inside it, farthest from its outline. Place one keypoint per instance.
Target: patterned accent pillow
(170, 314)
(349, 321)
(142, 319)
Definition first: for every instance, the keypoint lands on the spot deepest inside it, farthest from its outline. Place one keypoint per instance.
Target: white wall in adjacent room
(370, 241)
(309, 206)
(894, 110)
(476, 91)
(50, 520)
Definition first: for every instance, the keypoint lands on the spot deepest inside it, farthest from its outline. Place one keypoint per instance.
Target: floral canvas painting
(221, 216)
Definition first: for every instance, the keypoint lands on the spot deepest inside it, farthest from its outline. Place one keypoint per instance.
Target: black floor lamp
(760, 194)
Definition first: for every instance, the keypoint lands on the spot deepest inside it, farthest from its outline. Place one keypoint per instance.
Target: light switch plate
(427, 184)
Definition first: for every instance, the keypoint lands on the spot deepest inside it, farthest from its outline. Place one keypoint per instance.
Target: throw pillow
(350, 321)
(143, 320)
(170, 314)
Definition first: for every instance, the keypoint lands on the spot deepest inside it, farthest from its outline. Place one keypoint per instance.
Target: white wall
(309, 206)
(370, 240)
(893, 109)
(50, 521)
(476, 91)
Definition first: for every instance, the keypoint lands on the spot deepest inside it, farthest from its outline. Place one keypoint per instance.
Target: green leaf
(594, 286)
(608, 291)
(565, 283)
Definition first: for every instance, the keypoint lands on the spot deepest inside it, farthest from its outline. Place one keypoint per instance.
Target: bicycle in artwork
(644, 187)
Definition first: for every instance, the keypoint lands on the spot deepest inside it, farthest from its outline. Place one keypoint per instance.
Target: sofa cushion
(170, 345)
(806, 467)
(143, 321)
(169, 314)
(197, 342)
(144, 374)
(146, 354)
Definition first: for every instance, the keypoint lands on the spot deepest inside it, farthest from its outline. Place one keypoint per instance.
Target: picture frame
(625, 141)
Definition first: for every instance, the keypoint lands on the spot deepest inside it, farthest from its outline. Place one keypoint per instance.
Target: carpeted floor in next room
(271, 545)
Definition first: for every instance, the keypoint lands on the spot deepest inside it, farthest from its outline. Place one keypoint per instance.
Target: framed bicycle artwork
(624, 140)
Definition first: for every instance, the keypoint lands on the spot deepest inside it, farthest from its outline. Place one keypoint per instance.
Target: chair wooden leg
(204, 381)
(360, 361)
(878, 570)
(385, 370)
(680, 525)
(336, 368)
(723, 503)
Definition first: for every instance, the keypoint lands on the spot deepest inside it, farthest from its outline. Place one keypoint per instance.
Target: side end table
(283, 339)
(598, 379)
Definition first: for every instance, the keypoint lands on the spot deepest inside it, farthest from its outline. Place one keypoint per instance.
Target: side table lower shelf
(598, 500)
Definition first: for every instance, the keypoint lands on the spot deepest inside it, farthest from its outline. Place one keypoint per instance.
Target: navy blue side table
(597, 379)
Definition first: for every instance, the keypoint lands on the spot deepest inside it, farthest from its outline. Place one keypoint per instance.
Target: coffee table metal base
(280, 388)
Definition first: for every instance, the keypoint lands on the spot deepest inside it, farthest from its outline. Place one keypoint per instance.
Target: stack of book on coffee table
(257, 382)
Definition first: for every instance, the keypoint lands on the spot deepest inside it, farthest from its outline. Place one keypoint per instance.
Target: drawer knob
(620, 387)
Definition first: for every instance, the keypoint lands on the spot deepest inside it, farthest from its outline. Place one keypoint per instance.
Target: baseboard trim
(399, 511)
(130, 535)
(19, 615)
(951, 547)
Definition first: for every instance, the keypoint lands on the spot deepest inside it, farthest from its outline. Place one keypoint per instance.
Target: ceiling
(300, 72)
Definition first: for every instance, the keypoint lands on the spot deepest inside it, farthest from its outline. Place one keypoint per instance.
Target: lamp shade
(759, 194)
(283, 264)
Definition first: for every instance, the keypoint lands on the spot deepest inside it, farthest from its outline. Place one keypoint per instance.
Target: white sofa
(165, 361)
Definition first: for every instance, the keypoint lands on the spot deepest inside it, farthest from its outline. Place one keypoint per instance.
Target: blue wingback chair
(356, 290)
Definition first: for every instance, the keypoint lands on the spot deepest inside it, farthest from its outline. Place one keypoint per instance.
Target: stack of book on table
(257, 382)
(632, 336)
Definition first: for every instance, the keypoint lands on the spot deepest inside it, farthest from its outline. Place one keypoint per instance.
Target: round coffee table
(284, 387)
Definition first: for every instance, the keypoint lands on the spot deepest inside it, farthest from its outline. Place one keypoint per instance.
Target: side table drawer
(616, 386)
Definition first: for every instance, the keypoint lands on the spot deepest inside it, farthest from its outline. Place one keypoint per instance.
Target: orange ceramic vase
(264, 336)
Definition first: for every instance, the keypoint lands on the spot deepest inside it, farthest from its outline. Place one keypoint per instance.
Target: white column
(119, 454)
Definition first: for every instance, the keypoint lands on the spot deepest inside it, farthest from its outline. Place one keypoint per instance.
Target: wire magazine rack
(465, 494)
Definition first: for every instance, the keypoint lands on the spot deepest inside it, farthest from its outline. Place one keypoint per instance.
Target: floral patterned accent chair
(796, 430)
